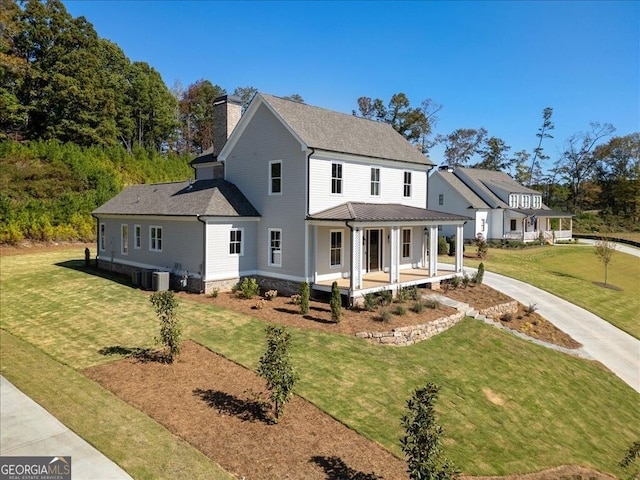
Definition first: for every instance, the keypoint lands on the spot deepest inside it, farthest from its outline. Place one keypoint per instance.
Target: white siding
(221, 264)
(264, 140)
(454, 203)
(356, 185)
(181, 244)
(323, 263)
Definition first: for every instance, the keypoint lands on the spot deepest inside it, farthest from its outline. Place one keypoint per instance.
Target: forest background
(79, 121)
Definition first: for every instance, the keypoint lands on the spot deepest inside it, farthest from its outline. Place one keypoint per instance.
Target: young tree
(629, 460)
(422, 442)
(304, 298)
(604, 249)
(166, 306)
(336, 303)
(275, 367)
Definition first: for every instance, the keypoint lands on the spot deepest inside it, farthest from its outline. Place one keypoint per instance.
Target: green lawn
(507, 406)
(570, 272)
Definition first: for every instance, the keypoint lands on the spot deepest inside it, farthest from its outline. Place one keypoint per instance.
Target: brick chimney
(227, 110)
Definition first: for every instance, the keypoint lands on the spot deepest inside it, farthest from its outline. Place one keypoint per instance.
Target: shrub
(214, 293)
(249, 288)
(480, 274)
(531, 308)
(166, 305)
(270, 294)
(418, 307)
(386, 297)
(455, 282)
(296, 299)
(260, 305)
(275, 367)
(481, 246)
(452, 246)
(506, 317)
(422, 442)
(400, 310)
(385, 315)
(371, 301)
(465, 280)
(432, 303)
(304, 298)
(407, 293)
(443, 248)
(336, 303)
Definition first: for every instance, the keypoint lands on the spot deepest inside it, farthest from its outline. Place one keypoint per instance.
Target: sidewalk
(27, 429)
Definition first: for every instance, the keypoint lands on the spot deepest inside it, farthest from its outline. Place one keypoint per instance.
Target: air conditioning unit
(160, 281)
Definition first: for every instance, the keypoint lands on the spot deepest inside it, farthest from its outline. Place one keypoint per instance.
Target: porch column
(433, 251)
(356, 259)
(459, 247)
(315, 254)
(394, 268)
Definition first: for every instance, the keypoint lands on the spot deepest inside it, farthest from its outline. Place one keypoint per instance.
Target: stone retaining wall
(498, 310)
(404, 336)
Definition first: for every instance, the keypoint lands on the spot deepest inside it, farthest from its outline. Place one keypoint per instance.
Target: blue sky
(495, 65)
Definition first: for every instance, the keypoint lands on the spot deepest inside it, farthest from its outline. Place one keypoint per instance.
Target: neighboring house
(500, 206)
(294, 193)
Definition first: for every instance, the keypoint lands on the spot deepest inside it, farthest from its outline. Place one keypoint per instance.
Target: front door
(374, 249)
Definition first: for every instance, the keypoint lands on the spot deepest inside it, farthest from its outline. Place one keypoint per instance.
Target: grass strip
(141, 446)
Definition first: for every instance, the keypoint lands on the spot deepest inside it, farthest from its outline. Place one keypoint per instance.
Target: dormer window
(537, 201)
(513, 200)
(526, 201)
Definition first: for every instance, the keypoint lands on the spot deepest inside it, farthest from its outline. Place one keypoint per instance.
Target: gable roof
(380, 212)
(323, 129)
(465, 192)
(216, 198)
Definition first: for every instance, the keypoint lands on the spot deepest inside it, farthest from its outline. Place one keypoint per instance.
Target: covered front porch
(367, 248)
(534, 225)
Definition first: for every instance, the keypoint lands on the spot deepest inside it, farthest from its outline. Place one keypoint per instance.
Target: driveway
(617, 350)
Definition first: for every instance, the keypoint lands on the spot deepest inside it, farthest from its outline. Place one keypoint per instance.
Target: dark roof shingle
(217, 198)
(380, 212)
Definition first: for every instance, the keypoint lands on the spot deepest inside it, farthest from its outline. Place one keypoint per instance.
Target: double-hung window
(275, 177)
(235, 241)
(513, 200)
(137, 237)
(537, 201)
(407, 184)
(275, 247)
(441, 199)
(155, 239)
(336, 178)
(526, 201)
(336, 248)
(124, 239)
(406, 243)
(375, 181)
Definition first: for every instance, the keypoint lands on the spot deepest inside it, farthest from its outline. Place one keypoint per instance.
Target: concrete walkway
(620, 247)
(27, 429)
(617, 350)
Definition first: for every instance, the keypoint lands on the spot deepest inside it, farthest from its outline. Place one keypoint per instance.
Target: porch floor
(375, 280)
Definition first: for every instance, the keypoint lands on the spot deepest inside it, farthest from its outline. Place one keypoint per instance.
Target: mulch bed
(214, 404)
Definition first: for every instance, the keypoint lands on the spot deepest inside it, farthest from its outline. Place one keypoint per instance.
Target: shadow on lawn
(79, 266)
(245, 410)
(143, 355)
(291, 311)
(336, 469)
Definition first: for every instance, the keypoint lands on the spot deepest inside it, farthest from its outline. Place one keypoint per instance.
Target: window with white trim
(375, 181)
(103, 236)
(235, 241)
(275, 247)
(526, 201)
(513, 225)
(275, 177)
(155, 239)
(407, 184)
(537, 201)
(137, 237)
(336, 248)
(406, 243)
(336, 178)
(124, 239)
(513, 200)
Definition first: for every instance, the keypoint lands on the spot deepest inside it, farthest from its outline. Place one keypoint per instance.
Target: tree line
(595, 171)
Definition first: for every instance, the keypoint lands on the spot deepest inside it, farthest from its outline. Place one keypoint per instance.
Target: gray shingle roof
(205, 157)
(217, 198)
(338, 132)
(380, 212)
(465, 192)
